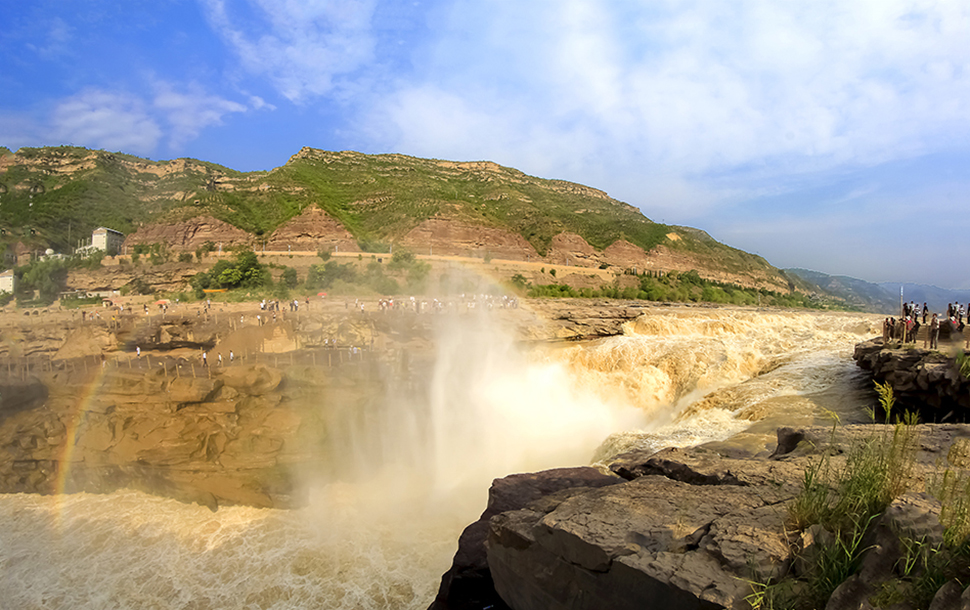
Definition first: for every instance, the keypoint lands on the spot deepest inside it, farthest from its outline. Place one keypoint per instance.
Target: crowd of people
(463, 302)
(905, 329)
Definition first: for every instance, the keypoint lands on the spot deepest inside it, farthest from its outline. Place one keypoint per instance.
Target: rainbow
(73, 417)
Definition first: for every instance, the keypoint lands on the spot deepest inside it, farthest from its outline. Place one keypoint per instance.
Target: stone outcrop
(166, 277)
(189, 235)
(925, 381)
(449, 237)
(571, 249)
(622, 253)
(313, 230)
(691, 528)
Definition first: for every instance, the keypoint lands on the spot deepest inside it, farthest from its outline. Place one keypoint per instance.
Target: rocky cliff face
(457, 238)
(233, 435)
(925, 381)
(686, 528)
(312, 230)
(188, 235)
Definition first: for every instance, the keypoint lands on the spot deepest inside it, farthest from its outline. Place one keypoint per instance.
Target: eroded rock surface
(690, 528)
(233, 435)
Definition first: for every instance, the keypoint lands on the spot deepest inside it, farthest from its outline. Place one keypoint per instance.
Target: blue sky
(828, 135)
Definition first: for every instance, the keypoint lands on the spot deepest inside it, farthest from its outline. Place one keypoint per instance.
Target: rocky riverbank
(682, 528)
(927, 382)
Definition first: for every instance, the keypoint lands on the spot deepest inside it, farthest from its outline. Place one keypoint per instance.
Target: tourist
(925, 310)
(934, 332)
(231, 357)
(205, 361)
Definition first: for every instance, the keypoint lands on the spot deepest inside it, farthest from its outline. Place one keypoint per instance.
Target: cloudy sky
(830, 135)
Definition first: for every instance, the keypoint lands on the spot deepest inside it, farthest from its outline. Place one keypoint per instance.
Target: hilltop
(349, 201)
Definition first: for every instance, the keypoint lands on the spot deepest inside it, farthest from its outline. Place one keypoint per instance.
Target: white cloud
(190, 110)
(116, 120)
(303, 46)
(57, 41)
(104, 119)
(738, 97)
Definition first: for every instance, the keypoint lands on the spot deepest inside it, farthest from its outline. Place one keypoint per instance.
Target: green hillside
(53, 196)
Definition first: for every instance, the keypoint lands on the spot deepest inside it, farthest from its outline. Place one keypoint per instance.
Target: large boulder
(652, 542)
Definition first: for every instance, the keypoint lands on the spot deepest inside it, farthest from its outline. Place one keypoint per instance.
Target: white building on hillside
(8, 281)
(107, 240)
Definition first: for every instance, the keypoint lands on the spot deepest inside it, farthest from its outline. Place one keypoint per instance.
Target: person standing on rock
(925, 311)
(934, 332)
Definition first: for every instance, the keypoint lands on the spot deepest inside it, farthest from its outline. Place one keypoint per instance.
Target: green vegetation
(347, 278)
(844, 504)
(40, 282)
(682, 288)
(57, 195)
(245, 271)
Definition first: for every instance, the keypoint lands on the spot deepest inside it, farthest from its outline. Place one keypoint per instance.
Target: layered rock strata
(312, 230)
(189, 234)
(236, 435)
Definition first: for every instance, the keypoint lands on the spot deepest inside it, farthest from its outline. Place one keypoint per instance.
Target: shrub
(289, 277)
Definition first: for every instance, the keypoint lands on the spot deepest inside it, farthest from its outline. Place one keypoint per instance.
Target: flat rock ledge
(680, 528)
(925, 381)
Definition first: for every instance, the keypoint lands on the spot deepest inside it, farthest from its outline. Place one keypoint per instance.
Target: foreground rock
(690, 528)
(925, 381)
(468, 584)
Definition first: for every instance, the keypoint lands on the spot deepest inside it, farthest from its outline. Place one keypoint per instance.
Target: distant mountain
(883, 297)
(935, 298)
(856, 293)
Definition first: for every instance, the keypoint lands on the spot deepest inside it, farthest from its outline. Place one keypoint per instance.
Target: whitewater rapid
(382, 538)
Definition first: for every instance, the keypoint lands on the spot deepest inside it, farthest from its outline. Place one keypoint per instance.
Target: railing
(24, 368)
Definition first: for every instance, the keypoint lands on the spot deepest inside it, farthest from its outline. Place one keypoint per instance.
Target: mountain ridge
(54, 196)
(882, 297)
